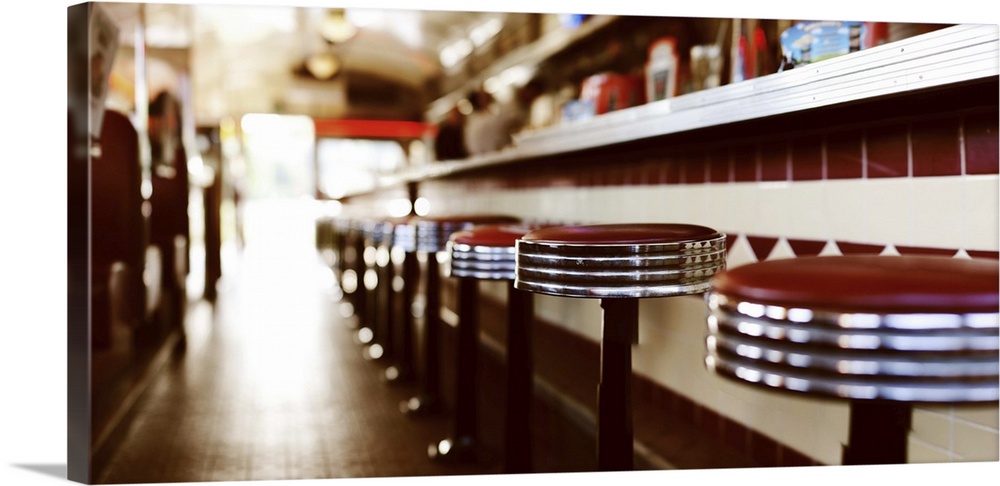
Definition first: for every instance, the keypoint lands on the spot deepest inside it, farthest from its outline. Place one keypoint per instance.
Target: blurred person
(168, 223)
(450, 141)
(524, 104)
(485, 130)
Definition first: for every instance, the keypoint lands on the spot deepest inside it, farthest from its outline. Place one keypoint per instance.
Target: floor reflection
(272, 385)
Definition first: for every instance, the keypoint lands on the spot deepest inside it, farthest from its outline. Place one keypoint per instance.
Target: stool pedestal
(464, 444)
(486, 252)
(403, 241)
(403, 370)
(878, 433)
(428, 400)
(619, 330)
(520, 366)
(431, 237)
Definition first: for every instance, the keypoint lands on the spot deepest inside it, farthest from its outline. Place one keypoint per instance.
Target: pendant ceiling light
(336, 28)
(323, 65)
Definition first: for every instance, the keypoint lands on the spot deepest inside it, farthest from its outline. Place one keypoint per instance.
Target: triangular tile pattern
(890, 250)
(806, 247)
(995, 255)
(739, 252)
(781, 250)
(730, 240)
(854, 248)
(830, 249)
(742, 248)
(916, 250)
(761, 245)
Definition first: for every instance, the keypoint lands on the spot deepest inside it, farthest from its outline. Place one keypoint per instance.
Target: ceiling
(242, 57)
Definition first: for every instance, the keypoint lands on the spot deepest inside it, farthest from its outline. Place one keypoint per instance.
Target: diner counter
(892, 150)
(957, 64)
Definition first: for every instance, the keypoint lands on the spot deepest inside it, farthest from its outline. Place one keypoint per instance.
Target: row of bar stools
(431, 236)
(881, 332)
(618, 263)
(486, 252)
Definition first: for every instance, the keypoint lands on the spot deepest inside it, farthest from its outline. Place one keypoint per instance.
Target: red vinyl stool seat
(882, 332)
(430, 237)
(618, 263)
(486, 252)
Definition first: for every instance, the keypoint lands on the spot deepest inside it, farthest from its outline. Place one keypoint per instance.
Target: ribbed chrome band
(432, 236)
(377, 232)
(598, 271)
(404, 237)
(482, 262)
(941, 358)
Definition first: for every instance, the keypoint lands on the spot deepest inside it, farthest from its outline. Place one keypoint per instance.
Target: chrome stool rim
(602, 268)
(432, 234)
(486, 252)
(934, 354)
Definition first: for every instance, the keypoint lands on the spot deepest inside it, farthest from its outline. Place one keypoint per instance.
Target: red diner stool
(431, 236)
(619, 264)
(883, 333)
(486, 252)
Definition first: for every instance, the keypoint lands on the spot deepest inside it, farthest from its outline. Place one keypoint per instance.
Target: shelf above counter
(950, 57)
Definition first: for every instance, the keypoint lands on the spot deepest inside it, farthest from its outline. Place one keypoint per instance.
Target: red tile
(843, 155)
(789, 457)
(887, 152)
(708, 421)
(762, 245)
(774, 161)
(982, 155)
(670, 171)
(730, 240)
(735, 435)
(807, 158)
(806, 247)
(849, 248)
(684, 407)
(936, 150)
(720, 167)
(745, 164)
(984, 254)
(919, 250)
(693, 169)
(650, 172)
(764, 449)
